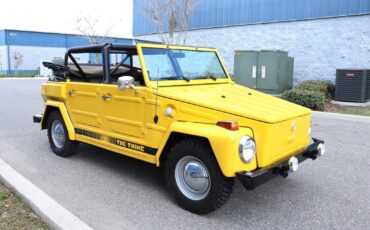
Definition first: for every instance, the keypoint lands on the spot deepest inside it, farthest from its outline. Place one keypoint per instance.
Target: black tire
(69, 147)
(221, 187)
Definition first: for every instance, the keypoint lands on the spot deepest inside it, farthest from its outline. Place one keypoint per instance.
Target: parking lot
(109, 191)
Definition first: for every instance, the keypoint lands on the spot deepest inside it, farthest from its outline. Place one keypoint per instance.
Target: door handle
(71, 92)
(106, 97)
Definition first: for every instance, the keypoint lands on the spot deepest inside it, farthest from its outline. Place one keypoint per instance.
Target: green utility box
(269, 71)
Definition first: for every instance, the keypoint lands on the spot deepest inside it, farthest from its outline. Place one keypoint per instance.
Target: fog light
(293, 164)
(320, 149)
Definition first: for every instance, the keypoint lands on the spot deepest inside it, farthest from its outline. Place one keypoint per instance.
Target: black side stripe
(88, 134)
(119, 142)
(133, 146)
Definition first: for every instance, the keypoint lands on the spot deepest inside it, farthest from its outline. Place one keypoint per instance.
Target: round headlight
(247, 148)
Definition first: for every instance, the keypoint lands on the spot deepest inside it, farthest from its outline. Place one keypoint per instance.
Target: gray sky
(60, 16)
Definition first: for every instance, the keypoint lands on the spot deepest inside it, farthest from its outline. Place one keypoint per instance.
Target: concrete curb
(50, 211)
(353, 104)
(343, 117)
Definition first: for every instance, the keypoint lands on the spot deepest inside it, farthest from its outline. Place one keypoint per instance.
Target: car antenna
(156, 100)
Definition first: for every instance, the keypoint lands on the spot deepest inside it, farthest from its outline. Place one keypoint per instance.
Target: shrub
(325, 87)
(310, 99)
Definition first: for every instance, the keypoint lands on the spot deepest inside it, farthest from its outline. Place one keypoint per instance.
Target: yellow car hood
(236, 99)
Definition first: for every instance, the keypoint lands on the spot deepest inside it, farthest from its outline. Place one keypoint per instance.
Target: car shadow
(121, 165)
(266, 197)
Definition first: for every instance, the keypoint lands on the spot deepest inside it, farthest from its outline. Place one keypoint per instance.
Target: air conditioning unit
(352, 85)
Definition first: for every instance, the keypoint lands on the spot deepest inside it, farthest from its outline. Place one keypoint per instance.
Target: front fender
(224, 143)
(50, 105)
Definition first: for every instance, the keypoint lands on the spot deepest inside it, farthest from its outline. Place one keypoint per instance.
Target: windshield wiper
(169, 78)
(206, 77)
(174, 78)
(186, 79)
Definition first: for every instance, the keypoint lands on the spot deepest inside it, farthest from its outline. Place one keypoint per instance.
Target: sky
(61, 16)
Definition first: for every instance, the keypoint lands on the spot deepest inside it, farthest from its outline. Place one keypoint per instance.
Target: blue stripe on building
(29, 44)
(2, 37)
(30, 38)
(219, 13)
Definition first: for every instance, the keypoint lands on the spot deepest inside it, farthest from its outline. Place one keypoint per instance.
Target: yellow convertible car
(175, 107)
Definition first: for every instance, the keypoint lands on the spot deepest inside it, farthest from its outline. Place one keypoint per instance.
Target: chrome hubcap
(57, 134)
(192, 178)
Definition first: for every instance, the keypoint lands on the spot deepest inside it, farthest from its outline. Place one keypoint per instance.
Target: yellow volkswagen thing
(175, 107)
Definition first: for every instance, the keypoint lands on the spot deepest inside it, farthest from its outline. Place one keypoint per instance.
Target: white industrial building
(21, 52)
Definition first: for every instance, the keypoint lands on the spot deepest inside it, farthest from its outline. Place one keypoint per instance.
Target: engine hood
(237, 100)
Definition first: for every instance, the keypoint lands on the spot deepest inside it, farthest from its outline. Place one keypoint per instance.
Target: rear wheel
(58, 136)
(194, 177)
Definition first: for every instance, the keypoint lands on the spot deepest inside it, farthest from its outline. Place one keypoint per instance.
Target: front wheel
(194, 177)
(58, 136)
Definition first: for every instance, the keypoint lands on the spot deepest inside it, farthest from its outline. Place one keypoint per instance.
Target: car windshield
(173, 64)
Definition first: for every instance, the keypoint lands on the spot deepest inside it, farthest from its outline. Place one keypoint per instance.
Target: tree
(88, 26)
(169, 16)
(18, 60)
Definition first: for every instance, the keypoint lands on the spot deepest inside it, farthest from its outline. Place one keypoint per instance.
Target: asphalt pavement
(110, 191)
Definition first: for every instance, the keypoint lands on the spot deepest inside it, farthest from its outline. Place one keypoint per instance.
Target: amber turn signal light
(230, 125)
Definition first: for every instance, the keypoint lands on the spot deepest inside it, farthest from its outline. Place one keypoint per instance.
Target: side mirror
(126, 82)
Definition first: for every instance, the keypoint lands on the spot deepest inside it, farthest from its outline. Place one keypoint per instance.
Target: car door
(83, 102)
(124, 118)
(123, 111)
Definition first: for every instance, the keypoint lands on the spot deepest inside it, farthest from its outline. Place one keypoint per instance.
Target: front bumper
(251, 180)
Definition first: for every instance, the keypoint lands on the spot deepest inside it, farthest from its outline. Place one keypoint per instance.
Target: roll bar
(105, 49)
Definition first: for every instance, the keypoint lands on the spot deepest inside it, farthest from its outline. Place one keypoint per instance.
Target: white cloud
(60, 16)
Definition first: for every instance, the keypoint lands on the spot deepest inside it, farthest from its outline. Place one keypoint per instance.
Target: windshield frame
(154, 83)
